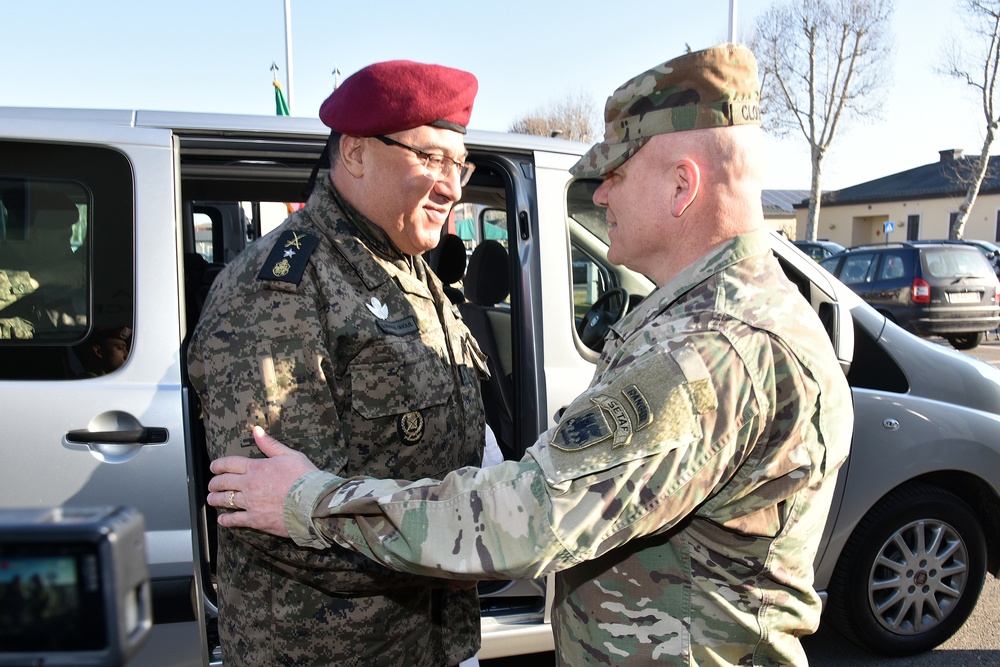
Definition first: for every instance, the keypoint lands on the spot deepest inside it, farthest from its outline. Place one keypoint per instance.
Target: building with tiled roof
(920, 202)
(779, 208)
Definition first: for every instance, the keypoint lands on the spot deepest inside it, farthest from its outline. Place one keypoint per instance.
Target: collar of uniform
(363, 244)
(370, 234)
(718, 259)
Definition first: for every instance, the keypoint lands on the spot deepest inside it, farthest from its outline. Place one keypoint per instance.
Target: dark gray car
(930, 289)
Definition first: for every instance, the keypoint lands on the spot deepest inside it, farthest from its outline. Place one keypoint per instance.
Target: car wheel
(910, 574)
(966, 341)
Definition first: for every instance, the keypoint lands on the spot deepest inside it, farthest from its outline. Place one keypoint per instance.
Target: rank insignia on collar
(288, 258)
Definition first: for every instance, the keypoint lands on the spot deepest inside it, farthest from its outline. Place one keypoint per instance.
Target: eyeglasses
(439, 166)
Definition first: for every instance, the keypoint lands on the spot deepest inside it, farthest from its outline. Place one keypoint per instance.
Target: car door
(90, 380)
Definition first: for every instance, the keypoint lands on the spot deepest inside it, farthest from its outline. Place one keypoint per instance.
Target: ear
(687, 181)
(352, 155)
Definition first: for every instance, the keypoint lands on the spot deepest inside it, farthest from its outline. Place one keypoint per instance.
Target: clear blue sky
(215, 56)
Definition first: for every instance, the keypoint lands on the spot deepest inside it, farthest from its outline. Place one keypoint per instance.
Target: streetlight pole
(288, 56)
(732, 20)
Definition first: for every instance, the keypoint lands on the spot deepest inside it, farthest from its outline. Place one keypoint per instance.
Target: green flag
(280, 106)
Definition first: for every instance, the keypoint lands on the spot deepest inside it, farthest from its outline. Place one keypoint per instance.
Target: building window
(912, 227)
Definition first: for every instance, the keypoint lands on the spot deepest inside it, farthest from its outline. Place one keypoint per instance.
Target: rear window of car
(955, 262)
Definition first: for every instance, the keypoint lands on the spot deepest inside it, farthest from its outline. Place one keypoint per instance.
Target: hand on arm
(257, 487)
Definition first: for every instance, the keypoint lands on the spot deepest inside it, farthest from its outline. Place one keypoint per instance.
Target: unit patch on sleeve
(609, 418)
(288, 258)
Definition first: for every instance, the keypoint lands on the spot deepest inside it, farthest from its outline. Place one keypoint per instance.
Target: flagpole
(732, 20)
(288, 56)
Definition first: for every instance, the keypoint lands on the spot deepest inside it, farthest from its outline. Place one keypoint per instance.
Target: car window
(893, 266)
(857, 268)
(873, 367)
(66, 260)
(955, 262)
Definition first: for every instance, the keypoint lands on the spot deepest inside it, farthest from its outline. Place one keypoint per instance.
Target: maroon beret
(400, 95)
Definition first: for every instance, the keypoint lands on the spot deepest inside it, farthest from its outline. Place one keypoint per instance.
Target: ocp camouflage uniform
(329, 337)
(681, 498)
(14, 285)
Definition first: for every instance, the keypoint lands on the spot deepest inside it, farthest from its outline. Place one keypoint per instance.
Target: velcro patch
(609, 418)
(653, 408)
(744, 113)
(402, 327)
(288, 258)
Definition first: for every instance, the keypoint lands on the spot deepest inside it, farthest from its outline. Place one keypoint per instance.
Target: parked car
(160, 201)
(990, 250)
(930, 289)
(819, 250)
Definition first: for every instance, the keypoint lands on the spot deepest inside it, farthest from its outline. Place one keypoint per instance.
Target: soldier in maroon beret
(333, 333)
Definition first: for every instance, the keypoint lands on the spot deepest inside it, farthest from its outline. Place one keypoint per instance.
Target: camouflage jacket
(681, 498)
(324, 333)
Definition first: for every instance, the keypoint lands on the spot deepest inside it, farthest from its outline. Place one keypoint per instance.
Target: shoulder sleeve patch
(288, 258)
(655, 406)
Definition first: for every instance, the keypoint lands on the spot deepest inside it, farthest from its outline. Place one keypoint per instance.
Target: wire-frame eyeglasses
(438, 165)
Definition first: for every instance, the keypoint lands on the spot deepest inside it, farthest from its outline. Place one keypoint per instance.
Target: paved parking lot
(988, 351)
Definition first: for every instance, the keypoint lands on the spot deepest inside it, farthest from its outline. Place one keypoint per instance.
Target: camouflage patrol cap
(716, 87)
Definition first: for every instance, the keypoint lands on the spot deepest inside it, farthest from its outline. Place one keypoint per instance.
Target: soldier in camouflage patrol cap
(711, 88)
(681, 498)
(333, 332)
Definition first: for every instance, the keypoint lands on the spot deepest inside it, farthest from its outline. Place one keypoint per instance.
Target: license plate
(964, 297)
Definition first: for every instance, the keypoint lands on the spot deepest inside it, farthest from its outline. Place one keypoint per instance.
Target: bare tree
(573, 117)
(822, 62)
(985, 22)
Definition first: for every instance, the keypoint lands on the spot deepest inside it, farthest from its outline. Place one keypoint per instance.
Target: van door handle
(142, 436)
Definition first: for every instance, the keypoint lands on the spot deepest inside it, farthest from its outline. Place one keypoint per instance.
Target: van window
(66, 244)
(590, 281)
(591, 278)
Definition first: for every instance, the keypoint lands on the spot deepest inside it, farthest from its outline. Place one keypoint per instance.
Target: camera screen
(50, 599)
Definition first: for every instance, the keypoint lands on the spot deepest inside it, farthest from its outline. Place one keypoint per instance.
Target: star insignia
(289, 253)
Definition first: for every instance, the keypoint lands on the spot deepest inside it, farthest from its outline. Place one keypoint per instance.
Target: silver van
(113, 224)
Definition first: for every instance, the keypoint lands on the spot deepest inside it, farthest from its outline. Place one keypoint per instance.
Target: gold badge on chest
(410, 427)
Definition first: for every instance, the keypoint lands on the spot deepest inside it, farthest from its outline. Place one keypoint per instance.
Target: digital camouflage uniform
(681, 498)
(329, 337)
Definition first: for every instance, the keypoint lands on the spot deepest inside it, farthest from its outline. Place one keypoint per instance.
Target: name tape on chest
(288, 258)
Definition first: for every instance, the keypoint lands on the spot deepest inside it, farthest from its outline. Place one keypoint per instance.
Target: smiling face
(398, 194)
(633, 194)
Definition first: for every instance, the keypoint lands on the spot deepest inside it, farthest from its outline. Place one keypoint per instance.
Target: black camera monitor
(74, 586)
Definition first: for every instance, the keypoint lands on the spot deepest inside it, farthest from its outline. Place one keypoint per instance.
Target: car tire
(920, 549)
(966, 341)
